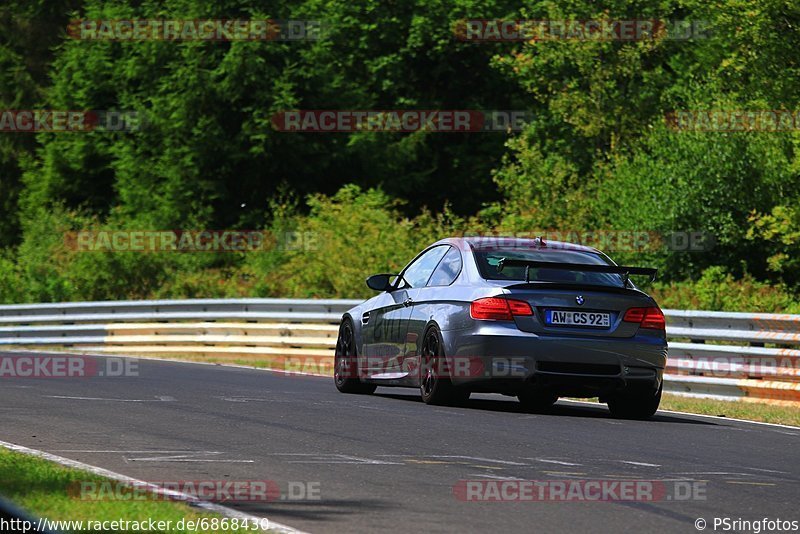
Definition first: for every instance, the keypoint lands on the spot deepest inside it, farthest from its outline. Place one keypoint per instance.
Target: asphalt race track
(388, 461)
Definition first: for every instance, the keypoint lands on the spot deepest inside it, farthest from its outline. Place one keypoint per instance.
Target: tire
(638, 405)
(345, 363)
(536, 401)
(435, 386)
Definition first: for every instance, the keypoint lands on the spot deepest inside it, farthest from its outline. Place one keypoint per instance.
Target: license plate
(577, 318)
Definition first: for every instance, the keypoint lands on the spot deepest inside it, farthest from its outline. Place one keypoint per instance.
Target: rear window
(488, 262)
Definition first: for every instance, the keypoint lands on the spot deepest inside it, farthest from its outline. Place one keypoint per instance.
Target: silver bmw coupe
(523, 317)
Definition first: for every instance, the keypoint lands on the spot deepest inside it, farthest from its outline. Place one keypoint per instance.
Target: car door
(381, 328)
(425, 298)
(386, 324)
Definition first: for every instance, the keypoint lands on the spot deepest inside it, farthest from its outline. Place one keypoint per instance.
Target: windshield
(489, 266)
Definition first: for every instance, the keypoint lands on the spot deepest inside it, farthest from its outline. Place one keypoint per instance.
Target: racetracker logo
(465, 367)
(604, 240)
(44, 120)
(188, 241)
(195, 30)
(66, 366)
(438, 121)
(483, 30)
(779, 368)
(733, 121)
(203, 490)
(600, 490)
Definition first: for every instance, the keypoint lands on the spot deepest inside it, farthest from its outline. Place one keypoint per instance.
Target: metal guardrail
(746, 356)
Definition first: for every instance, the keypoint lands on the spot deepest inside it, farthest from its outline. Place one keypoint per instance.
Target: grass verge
(45, 489)
(753, 411)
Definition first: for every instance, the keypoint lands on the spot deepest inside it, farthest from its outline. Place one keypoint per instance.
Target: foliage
(781, 230)
(597, 155)
(354, 234)
(718, 290)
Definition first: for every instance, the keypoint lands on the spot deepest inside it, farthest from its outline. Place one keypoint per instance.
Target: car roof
(500, 242)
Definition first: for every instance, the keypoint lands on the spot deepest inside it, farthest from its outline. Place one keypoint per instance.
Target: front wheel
(345, 363)
(435, 386)
(635, 405)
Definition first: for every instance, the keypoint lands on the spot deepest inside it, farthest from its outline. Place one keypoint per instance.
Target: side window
(417, 273)
(448, 269)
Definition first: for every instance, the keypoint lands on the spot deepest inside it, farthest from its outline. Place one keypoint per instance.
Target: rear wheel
(635, 405)
(536, 401)
(345, 363)
(435, 386)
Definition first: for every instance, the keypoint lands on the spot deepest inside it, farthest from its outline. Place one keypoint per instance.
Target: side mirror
(380, 282)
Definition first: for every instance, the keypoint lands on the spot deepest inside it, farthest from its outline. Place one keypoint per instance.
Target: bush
(781, 229)
(717, 289)
(325, 254)
(11, 287)
(45, 268)
(353, 234)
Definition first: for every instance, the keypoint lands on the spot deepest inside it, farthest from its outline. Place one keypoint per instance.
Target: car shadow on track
(311, 510)
(497, 403)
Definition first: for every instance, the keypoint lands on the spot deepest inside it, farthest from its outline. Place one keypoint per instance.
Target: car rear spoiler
(624, 270)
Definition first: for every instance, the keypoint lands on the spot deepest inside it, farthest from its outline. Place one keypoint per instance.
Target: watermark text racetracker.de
(605, 240)
(195, 30)
(65, 366)
(498, 30)
(596, 490)
(188, 240)
(54, 120)
(733, 120)
(219, 491)
(785, 367)
(400, 120)
(389, 359)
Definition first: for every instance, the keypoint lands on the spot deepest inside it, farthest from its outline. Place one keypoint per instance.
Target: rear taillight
(651, 317)
(498, 309)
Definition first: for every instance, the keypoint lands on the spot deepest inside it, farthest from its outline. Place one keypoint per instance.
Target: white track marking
(174, 456)
(493, 477)
(233, 398)
(310, 458)
(193, 501)
(768, 470)
(187, 460)
(559, 462)
(117, 451)
(716, 473)
(189, 457)
(391, 411)
(473, 458)
(157, 399)
(642, 464)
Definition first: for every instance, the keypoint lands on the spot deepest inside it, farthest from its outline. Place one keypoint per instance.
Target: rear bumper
(498, 357)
